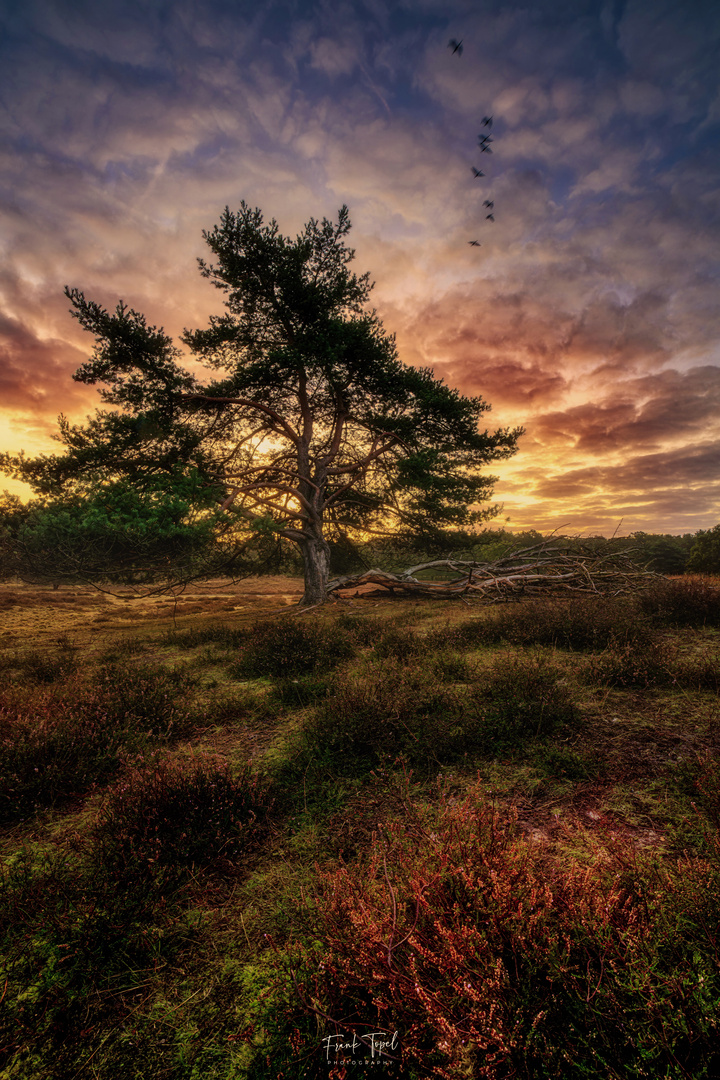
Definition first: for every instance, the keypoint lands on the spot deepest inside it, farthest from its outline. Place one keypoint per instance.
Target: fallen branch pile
(533, 571)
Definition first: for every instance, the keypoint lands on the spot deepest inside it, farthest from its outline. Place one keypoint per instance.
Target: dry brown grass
(37, 615)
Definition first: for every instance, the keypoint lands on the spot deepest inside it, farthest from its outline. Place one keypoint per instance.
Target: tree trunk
(316, 567)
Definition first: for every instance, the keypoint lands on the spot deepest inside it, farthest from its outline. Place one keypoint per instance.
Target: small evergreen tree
(114, 532)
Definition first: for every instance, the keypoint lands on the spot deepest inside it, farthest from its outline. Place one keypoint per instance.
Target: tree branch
(248, 403)
(293, 492)
(372, 456)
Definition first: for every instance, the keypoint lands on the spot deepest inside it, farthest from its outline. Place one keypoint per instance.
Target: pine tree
(311, 429)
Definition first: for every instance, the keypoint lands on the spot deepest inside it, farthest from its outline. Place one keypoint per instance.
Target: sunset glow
(589, 313)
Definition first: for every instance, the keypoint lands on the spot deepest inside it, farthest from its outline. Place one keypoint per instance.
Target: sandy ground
(40, 615)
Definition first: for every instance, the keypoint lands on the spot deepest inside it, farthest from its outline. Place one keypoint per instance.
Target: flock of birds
(484, 144)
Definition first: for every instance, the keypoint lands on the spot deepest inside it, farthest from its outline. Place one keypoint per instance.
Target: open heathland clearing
(239, 841)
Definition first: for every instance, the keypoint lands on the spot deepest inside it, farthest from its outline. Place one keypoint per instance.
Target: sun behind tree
(313, 429)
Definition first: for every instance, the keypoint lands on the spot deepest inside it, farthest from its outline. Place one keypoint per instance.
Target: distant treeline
(695, 553)
(120, 536)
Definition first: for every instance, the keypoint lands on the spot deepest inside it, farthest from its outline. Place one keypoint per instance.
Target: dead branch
(539, 570)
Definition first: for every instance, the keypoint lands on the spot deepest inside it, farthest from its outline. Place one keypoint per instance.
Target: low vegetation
(490, 833)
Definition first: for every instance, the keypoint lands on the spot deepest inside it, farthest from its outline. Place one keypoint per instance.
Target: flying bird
(474, 243)
(489, 204)
(456, 46)
(485, 149)
(485, 139)
(490, 217)
(487, 121)
(476, 172)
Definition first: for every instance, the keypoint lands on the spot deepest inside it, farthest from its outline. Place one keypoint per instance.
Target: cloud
(677, 46)
(649, 411)
(681, 468)
(589, 314)
(35, 373)
(332, 58)
(676, 490)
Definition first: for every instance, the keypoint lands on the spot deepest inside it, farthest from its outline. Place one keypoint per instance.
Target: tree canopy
(114, 532)
(308, 426)
(705, 553)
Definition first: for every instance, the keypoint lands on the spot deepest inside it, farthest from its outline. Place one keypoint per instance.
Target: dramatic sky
(589, 313)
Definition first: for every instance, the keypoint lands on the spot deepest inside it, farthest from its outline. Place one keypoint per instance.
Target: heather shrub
(491, 958)
(286, 647)
(640, 664)
(699, 671)
(189, 638)
(696, 827)
(123, 647)
(55, 743)
(47, 758)
(450, 667)
(388, 639)
(398, 643)
(522, 697)
(165, 818)
(686, 601)
(470, 634)
(42, 667)
(372, 719)
(149, 699)
(361, 629)
(580, 623)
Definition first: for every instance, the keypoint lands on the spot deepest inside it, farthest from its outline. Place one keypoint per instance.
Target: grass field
(236, 838)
